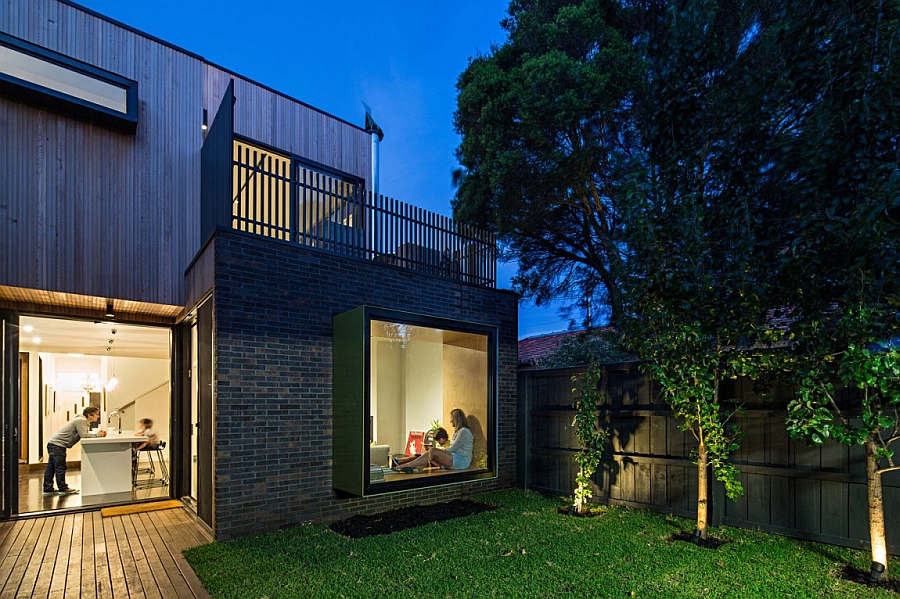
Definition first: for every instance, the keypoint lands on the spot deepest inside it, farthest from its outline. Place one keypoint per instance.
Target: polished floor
(33, 500)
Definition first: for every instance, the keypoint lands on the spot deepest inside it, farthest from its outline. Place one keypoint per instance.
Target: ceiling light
(113, 382)
(36, 340)
(28, 328)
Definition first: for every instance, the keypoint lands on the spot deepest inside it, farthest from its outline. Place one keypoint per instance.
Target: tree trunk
(702, 490)
(876, 508)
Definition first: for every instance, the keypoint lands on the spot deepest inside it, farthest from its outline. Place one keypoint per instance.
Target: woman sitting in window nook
(457, 456)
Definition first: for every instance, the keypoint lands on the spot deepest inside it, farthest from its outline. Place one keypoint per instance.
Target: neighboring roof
(534, 349)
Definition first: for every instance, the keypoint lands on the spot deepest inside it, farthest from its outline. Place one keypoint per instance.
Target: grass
(526, 549)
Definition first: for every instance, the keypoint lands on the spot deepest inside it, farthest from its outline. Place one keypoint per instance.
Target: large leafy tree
(546, 122)
(839, 161)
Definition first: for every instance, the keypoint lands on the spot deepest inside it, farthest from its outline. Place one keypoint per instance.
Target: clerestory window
(36, 75)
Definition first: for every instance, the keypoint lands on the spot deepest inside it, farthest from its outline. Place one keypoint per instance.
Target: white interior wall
(141, 379)
(422, 371)
(387, 405)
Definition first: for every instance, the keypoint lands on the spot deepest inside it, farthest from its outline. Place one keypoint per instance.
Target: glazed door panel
(9, 412)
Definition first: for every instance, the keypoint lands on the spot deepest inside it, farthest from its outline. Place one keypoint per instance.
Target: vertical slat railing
(283, 199)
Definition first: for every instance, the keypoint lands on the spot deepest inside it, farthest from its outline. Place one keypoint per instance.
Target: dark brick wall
(274, 305)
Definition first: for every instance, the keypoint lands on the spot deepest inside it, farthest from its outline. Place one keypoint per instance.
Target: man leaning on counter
(65, 439)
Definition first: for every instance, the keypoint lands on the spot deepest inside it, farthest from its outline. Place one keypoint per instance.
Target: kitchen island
(106, 463)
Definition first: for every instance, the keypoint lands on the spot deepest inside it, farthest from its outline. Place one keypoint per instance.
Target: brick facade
(273, 306)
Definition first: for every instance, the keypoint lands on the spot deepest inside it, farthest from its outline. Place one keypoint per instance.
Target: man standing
(64, 439)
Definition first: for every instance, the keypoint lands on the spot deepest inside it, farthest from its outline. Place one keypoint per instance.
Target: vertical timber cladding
(273, 119)
(275, 305)
(88, 200)
(815, 493)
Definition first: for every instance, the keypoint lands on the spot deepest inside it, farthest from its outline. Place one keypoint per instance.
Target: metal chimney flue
(377, 135)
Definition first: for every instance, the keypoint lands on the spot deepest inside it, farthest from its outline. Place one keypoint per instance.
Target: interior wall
(53, 405)
(36, 400)
(137, 377)
(423, 383)
(387, 409)
(465, 384)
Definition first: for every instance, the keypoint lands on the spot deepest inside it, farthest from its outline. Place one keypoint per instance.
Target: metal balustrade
(282, 198)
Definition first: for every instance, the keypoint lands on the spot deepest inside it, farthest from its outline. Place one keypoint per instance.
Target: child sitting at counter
(146, 430)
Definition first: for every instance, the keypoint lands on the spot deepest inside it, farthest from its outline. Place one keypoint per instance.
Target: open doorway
(68, 365)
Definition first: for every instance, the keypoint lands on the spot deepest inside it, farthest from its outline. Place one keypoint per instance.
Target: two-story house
(215, 247)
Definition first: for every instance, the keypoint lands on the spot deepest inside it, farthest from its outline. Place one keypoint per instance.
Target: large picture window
(413, 374)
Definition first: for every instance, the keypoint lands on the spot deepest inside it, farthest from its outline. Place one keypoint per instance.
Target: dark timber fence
(814, 493)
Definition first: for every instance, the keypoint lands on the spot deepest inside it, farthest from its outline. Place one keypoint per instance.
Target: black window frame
(351, 454)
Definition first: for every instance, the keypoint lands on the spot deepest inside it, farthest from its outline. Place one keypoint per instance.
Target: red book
(414, 442)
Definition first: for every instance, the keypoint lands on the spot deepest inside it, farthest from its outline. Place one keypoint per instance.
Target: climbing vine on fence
(589, 432)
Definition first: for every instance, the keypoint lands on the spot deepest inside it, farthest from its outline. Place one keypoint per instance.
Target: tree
(837, 159)
(547, 141)
(869, 418)
(698, 219)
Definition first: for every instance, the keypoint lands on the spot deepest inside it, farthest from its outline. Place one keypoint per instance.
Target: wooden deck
(85, 555)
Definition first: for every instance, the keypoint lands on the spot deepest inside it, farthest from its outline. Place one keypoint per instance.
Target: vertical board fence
(813, 493)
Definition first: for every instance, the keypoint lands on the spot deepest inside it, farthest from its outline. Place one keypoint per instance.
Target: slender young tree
(698, 219)
(839, 160)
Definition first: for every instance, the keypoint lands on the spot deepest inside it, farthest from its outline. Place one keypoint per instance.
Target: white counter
(106, 463)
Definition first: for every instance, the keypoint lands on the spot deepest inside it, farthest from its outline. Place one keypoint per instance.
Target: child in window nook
(457, 456)
(146, 430)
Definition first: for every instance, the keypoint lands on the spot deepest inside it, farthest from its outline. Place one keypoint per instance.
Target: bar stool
(150, 468)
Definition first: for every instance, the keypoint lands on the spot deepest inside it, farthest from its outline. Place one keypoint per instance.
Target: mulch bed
(591, 512)
(860, 576)
(384, 523)
(707, 543)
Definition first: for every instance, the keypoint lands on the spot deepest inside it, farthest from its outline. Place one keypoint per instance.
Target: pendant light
(113, 381)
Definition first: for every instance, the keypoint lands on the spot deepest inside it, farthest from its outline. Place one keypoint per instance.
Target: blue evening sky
(400, 57)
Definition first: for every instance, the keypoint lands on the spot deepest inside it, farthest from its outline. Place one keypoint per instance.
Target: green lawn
(526, 549)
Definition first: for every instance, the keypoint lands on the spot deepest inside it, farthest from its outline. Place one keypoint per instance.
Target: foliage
(870, 420)
(699, 219)
(706, 163)
(836, 155)
(590, 435)
(816, 416)
(526, 549)
(689, 374)
(586, 348)
(547, 144)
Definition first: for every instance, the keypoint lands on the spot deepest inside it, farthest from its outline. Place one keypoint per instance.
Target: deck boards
(83, 555)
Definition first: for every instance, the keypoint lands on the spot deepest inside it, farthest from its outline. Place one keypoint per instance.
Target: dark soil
(860, 576)
(588, 513)
(384, 523)
(707, 543)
